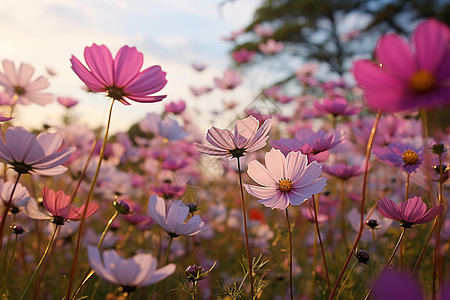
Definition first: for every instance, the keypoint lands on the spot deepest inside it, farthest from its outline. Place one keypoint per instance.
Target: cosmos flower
(20, 196)
(404, 156)
(18, 83)
(337, 107)
(58, 206)
(408, 76)
(27, 153)
(68, 102)
(173, 221)
(413, 211)
(120, 77)
(243, 56)
(343, 171)
(175, 107)
(167, 128)
(271, 47)
(198, 91)
(130, 273)
(248, 137)
(230, 80)
(285, 179)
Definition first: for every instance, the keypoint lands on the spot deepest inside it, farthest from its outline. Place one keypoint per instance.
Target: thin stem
(342, 195)
(314, 271)
(166, 259)
(363, 199)
(424, 246)
(400, 257)
(6, 210)
(5, 277)
(320, 243)
(345, 280)
(250, 269)
(88, 199)
(290, 253)
(388, 263)
(50, 242)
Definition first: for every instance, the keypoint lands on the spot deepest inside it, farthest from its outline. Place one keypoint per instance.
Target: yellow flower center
(285, 184)
(422, 82)
(410, 157)
(19, 90)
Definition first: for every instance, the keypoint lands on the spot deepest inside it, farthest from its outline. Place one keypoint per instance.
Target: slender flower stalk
(388, 263)
(290, 253)
(342, 195)
(49, 245)
(345, 280)
(400, 258)
(244, 213)
(166, 259)
(320, 243)
(363, 199)
(90, 194)
(5, 213)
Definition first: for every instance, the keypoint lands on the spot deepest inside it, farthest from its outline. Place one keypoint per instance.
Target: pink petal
(296, 163)
(431, 214)
(127, 64)
(275, 162)
(413, 209)
(86, 76)
(245, 130)
(210, 150)
(10, 72)
(143, 99)
(396, 56)
(259, 139)
(157, 209)
(431, 40)
(149, 81)
(178, 212)
(260, 174)
(160, 274)
(96, 263)
(101, 63)
(220, 138)
(389, 209)
(25, 73)
(261, 192)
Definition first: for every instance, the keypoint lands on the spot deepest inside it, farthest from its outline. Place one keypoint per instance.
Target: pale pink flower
(413, 211)
(174, 221)
(27, 153)
(18, 83)
(230, 80)
(285, 179)
(20, 196)
(243, 56)
(337, 107)
(233, 35)
(137, 271)
(198, 91)
(248, 137)
(167, 128)
(263, 31)
(120, 77)
(68, 102)
(175, 107)
(198, 67)
(271, 47)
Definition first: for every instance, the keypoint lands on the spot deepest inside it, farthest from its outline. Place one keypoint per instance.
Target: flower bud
(372, 223)
(17, 229)
(362, 256)
(438, 148)
(121, 207)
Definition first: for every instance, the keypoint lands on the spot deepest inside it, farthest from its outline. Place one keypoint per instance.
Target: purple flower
(243, 56)
(413, 211)
(167, 128)
(68, 102)
(404, 156)
(343, 171)
(230, 80)
(394, 285)
(284, 180)
(27, 153)
(248, 137)
(137, 271)
(120, 77)
(175, 107)
(337, 107)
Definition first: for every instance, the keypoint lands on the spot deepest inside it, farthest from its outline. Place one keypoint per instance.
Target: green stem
(166, 259)
(5, 278)
(88, 199)
(249, 259)
(363, 199)
(345, 280)
(290, 254)
(52, 238)
(388, 263)
(400, 257)
(320, 243)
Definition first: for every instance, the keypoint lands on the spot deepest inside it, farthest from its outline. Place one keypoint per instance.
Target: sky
(170, 33)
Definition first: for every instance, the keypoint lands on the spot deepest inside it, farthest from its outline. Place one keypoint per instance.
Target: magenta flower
(343, 171)
(397, 285)
(404, 156)
(337, 107)
(167, 128)
(285, 179)
(27, 153)
(408, 76)
(230, 80)
(248, 137)
(173, 222)
(18, 83)
(129, 273)
(271, 47)
(413, 211)
(243, 56)
(59, 208)
(121, 77)
(198, 91)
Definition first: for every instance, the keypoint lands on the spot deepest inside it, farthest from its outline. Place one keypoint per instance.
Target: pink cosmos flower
(18, 83)
(248, 137)
(198, 67)
(230, 80)
(20, 196)
(337, 107)
(306, 74)
(343, 171)
(130, 273)
(285, 179)
(413, 211)
(167, 128)
(275, 93)
(175, 107)
(263, 31)
(68, 102)
(408, 76)
(120, 77)
(200, 90)
(27, 153)
(174, 221)
(271, 47)
(243, 56)
(233, 35)
(58, 206)
(404, 156)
